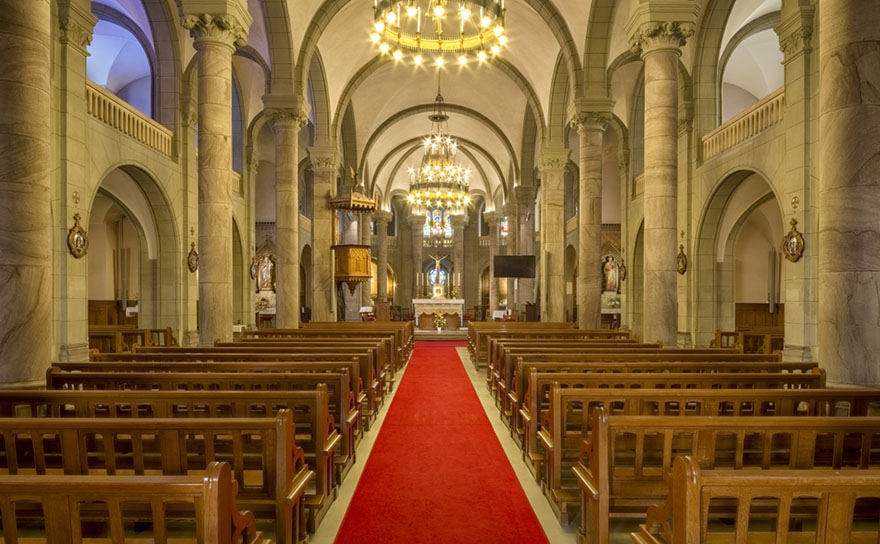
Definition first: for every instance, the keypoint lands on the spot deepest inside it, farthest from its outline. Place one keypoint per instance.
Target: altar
(426, 308)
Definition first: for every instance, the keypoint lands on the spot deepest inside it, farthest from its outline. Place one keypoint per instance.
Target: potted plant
(439, 321)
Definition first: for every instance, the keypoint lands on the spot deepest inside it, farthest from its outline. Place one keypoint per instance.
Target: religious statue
(609, 274)
(438, 293)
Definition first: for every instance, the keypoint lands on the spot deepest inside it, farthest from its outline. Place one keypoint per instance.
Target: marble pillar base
(74, 352)
(797, 354)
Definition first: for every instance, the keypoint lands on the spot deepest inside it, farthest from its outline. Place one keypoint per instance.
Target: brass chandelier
(466, 29)
(439, 183)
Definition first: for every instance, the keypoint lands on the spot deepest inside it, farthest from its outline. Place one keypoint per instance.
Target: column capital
(459, 221)
(662, 25)
(227, 25)
(76, 24)
(591, 113)
(493, 218)
(383, 218)
(795, 32)
(282, 110)
(324, 159)
(554, 160)
(416, 221)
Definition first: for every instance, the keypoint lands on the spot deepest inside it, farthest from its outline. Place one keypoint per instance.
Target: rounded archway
(135, 257)
(737, 259)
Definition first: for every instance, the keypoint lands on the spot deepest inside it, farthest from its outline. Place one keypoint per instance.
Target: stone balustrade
(749, 123)
(109, 109)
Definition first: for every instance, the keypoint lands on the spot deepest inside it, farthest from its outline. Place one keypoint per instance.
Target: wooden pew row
(342, 409)
(66, 501)
(397, 354)
(379, 351)
(478, 329)
(269, 468)
(548, 335)
(564, 426)
(122, 339)
(625, 462)
(534, 406)
(831, 499)
(404, 330)
(353, 430)
(315, 432)
(500, 380)
(372, 380)
(516, 385)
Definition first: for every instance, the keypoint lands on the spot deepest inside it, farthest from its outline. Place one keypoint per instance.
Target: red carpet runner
(437, 472)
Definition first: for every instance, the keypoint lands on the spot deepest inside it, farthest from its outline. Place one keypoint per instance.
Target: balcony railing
(747, 124)
(237, 183)
(105, 107)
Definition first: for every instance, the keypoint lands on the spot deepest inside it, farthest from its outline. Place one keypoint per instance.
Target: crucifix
(437, 268)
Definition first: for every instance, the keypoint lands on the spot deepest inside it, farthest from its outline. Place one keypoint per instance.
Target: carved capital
(216, 29)
(685, 125)
(593, 121)
(191, 119)
(526, 194)
(324, 160)
(285, 118)
(554, 160)
(795, 42)
(661, 36)
(383, 218)
(76, 29)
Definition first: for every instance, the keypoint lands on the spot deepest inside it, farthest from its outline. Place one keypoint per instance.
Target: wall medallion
(681, 260)
(192, 259)
(253, 269)
(793, 243)
(77, 239)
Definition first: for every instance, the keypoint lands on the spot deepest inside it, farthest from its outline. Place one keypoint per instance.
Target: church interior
(568, 271)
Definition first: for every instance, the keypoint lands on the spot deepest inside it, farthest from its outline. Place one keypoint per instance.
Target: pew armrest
(585, 482)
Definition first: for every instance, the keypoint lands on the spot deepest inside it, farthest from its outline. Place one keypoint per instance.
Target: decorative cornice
(594, 121)
(217, 29)
(661, 36)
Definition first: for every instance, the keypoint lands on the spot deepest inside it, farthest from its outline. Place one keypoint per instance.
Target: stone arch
(163, 23)
(378, 61)
(560, 97)
(281, 46)
(319, 99)
(597, 42)
(138, 193)
(707, 52)
(715, 299)
(427, 108)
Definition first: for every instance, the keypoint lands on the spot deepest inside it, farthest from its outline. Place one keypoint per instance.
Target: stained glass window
(438, 224)
(504, 231)
(432, 277)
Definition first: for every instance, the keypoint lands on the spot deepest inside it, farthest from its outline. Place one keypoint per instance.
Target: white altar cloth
(431, 306)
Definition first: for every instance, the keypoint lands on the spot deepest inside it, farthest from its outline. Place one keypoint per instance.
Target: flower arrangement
(439, 321)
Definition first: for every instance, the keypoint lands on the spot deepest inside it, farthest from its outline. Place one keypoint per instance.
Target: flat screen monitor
(514, 266)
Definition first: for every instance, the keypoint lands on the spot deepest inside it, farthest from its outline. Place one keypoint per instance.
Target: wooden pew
(519, 402)
(405, 331)
(625, 462)
(560, 435)
(67, 501)
(477, 329)
(370, 376)
(342, 409)
(119, 339)
(398, 353)
(352, 429)
(547, 335)
(830, 498)
(269, 468)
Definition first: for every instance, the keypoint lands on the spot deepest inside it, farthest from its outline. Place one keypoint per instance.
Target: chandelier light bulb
(411, 10)
(379, 26)
(481, 55)
(398, 54)
(462, 59)
(465, 13)
(485, 21)
(495, 49)
(502, 39)
(383, 47)
(440, 61)
(439, 10)
(499, 30)
(417, 59)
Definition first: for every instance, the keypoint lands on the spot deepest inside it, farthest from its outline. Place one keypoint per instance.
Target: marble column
(660, 45)
(365, 228)
(325, 164)
(525, 202)
(493, 218)
(383, 218)
(458, 224)
(511, 249)
(286, 123)
(591, 128)
(25, 221)
(215, 38)
(552, 273)
(849, 191)
(417, 224)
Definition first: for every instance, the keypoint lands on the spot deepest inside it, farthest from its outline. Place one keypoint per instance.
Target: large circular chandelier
(465, 29)
(439, 183)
